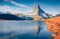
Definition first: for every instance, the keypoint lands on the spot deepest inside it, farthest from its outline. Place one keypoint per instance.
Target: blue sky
(26, 6)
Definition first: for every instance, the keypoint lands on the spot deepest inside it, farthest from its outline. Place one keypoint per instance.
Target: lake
(24, 30)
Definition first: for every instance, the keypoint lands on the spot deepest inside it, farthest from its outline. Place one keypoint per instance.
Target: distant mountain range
(37, 11)
(13, 17)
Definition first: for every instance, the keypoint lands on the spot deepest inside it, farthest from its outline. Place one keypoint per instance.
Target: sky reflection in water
(24, 29)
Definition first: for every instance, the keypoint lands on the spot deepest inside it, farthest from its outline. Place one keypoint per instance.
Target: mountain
(36, 13)
(13, 17)
(24, 16)
(58, 15)
(28, 18)
(39, 12)
(42, 13)
(10, 17)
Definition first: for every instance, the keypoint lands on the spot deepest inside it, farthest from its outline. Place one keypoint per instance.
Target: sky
(27, 6)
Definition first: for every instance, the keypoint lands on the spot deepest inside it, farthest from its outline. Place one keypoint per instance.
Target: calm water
(23, 30)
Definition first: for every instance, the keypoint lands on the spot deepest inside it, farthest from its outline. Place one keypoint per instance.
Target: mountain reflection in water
(23, 30)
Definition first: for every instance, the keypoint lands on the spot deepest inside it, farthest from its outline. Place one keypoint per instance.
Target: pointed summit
(37, 6)
(39, 12)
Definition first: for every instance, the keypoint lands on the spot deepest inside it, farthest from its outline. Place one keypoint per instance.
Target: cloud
(18, 4)
(6, 9)
(21, 5)
(25, 9)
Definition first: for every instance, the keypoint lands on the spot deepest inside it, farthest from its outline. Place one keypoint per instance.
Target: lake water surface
(23, 30)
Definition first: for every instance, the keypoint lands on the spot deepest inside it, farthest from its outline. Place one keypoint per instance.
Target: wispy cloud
(20, 5)
(25, 9)
(6, 9)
